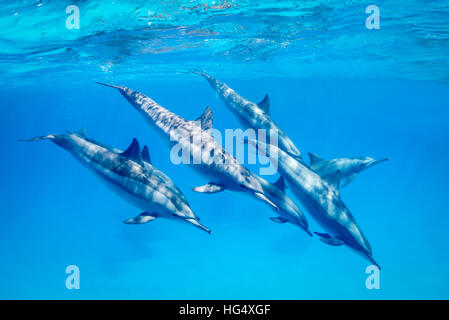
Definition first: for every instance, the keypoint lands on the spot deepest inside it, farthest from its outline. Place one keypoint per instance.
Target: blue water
(336, 88)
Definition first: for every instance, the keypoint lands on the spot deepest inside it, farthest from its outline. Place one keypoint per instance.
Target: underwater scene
(224, 149)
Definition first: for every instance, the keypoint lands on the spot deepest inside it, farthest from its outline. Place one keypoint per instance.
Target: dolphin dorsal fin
(82, 132)
(280, 183)
(334, 180)
(314, 158)
(146, 155)
(133, 152)
(206, 119)
(265, 104)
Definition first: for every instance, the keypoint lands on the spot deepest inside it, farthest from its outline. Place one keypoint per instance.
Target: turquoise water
(336, 88)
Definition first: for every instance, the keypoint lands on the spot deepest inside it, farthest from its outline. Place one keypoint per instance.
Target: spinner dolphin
(131, 175)
(194, 137)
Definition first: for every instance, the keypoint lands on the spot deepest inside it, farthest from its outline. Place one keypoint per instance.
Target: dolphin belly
(141, 196)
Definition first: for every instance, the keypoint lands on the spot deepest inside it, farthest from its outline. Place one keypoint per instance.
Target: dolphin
(207, 157)
(288, 210)
(321, 198)
(131, 175)
(252, 115)
(349, 167)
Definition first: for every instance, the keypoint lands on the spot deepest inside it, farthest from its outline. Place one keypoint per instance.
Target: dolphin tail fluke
(199, 225)
(50, 136)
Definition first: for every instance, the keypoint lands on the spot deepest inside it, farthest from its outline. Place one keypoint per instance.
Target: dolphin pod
(208, 157)
(227, 173)
(316, 186)
(131, 175)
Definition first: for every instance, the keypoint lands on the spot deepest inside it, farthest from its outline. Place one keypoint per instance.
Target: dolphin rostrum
(131, 175)
(252, 115)
(321, 198)
(349, 167)
(207, 157)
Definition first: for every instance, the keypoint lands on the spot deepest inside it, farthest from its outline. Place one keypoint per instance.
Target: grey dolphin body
(131, 175)
(252, 115)
(349, 167)
(321, 198)
(207, 157)
(288, 210)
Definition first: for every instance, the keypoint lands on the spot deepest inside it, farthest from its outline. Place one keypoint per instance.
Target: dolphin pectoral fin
(265, 199)
(322, 235)
(278, 219)
(332, 241)
(328, 239)
(348, 180)
(144, 217)
(209, 188)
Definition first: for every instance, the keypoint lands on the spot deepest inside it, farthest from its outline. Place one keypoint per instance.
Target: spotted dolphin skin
(321, 198)
(252, 115)
(131, 175)
(349, 167)
(206, 156)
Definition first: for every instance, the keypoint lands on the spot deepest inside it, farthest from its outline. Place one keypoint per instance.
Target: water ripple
(129, 39)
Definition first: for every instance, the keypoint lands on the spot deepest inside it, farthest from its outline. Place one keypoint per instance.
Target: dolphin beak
(371, 259)
(265, 199)
(382, 160)
(374, 162)
(108, 85)
(199, 225)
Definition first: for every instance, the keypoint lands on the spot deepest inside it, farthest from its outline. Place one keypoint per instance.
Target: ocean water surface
(337, 89)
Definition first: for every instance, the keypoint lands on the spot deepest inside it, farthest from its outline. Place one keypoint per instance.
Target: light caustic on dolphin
(208, 157)
(349, 167)
(321, 198)
(252, 115)
(131, 175)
